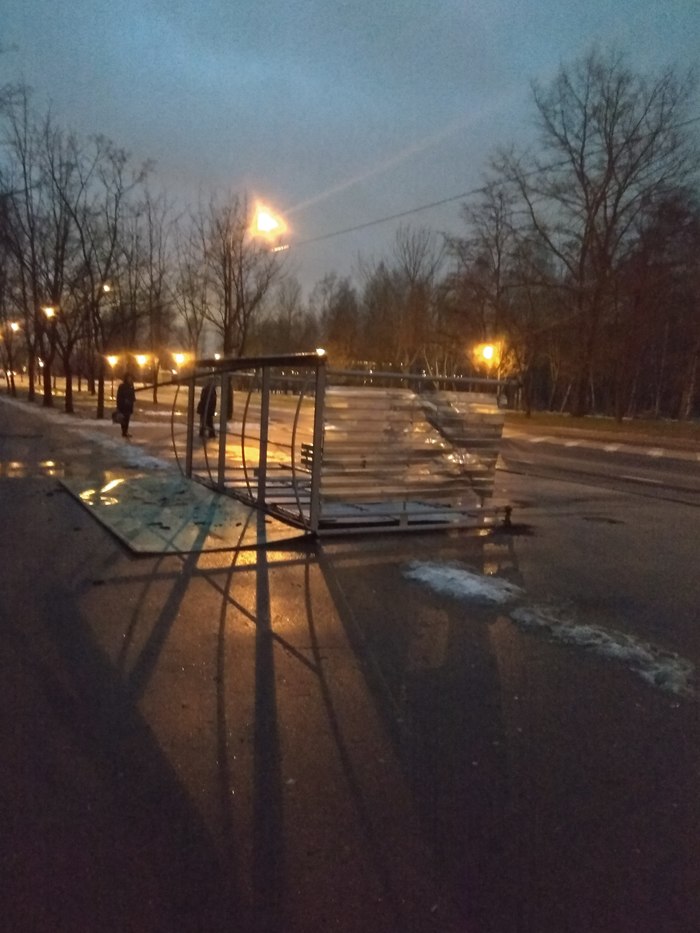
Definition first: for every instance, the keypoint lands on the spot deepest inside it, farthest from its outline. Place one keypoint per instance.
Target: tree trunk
(690, 387)
(47, 400)
(68, 407)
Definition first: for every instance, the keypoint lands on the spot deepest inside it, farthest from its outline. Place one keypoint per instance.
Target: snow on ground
(101, 432)
(457, 581)
(662, 669)
(659, 668)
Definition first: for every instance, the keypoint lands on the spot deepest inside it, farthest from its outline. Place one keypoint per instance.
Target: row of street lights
(271, 227)
(265, 224)
(142, 360)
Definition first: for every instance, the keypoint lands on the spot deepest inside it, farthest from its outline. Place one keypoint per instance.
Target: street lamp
(488, 354)
(112, 360)
(141, 360)
(8, 362)
(50, 311)
(270, 226)
(179, 360)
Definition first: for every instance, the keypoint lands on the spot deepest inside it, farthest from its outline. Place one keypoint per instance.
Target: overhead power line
(426, 207)
(383, 220)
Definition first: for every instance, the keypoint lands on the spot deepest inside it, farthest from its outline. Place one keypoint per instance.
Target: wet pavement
(305, 736)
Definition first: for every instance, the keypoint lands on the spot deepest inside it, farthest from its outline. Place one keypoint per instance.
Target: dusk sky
(335, 113)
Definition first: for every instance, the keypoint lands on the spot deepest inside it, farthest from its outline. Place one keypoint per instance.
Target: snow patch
(131, 455)
(660, 668)
(455, 580)
(101, 432)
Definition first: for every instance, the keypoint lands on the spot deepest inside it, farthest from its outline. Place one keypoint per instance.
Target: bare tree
(484, 262)
(612, 143)
(24, 212)
(399, 297)
(190, 289)
(240, 270)
(98, 214)
(334, 303)
(159, 311)
(502, 286)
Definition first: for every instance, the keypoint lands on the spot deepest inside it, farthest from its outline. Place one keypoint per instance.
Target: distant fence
(340, 451)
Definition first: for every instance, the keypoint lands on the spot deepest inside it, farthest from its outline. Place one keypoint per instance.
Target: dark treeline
(579, 262)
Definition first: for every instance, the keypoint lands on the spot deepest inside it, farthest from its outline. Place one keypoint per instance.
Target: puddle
(23, 469)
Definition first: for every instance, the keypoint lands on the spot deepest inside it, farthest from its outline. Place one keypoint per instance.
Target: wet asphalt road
(306, 739)
(643, 468)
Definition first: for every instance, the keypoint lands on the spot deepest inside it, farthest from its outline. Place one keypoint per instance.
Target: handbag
(117, 417)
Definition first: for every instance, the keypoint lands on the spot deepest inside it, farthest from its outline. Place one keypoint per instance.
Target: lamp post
(141, 360)
(112, 360)
(96, 345)
(12, 329)
(51, 312)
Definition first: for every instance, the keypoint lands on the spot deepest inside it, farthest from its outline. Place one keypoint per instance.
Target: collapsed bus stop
(340, 451)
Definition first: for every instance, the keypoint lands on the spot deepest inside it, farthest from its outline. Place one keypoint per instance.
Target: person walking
(126, 397)
(206, 408)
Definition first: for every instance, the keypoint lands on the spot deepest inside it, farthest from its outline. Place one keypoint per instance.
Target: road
(647, 468)
(554, 756)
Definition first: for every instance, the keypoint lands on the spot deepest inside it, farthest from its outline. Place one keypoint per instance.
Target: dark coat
(207, 402)
(126, 397)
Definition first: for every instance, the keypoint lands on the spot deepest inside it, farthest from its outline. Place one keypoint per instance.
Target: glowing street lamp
(179, 359)
(9, 347)
(488, 354)
(269, 226)
(50, 311)
(141, 360)
(112, 360)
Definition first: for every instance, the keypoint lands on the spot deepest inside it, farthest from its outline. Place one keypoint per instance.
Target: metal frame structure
(334, 451)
